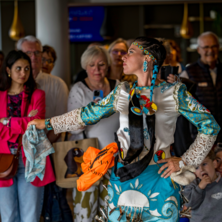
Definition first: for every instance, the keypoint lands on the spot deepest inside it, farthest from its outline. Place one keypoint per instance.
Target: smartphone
(97, 95)
(167, 70)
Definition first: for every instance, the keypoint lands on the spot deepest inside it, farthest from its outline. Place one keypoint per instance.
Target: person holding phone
(96, 61)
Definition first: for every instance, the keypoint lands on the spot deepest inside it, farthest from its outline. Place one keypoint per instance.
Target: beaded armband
(48, 124)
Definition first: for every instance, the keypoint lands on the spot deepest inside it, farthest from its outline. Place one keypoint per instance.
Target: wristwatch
(181, 164)
(5, 121)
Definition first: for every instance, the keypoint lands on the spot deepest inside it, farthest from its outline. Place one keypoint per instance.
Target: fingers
(33, 122)
(163, 160)
(163, 168)
(207, 179)
(171, 78)
(166, 173)
(30, 123)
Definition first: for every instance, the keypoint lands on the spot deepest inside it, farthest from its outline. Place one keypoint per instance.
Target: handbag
(67, 160)
(9, 163)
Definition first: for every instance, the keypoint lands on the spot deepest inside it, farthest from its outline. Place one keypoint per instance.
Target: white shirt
(56, 94)
(80, 95)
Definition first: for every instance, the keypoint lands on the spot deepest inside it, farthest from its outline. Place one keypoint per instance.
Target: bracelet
(48, 124)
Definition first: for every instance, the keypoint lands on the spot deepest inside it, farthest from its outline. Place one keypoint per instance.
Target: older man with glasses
(207, 74)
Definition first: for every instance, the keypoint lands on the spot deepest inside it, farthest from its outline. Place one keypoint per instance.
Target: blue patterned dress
(148, 196)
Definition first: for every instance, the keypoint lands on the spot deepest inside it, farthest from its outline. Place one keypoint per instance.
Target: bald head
(206, 35)
(208, 48)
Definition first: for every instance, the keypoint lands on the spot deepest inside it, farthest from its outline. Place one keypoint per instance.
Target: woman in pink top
(21, 102)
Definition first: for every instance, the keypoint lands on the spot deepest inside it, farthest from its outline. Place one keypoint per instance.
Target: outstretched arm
(81, 117)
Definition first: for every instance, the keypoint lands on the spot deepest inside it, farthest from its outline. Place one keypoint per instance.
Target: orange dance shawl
(95, 165)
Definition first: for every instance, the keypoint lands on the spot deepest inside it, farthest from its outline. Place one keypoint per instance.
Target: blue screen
(85, 23)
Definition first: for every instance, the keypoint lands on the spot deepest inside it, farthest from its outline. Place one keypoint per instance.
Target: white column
(52, 29)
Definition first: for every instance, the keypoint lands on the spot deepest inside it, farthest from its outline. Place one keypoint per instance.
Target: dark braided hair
(155, 47)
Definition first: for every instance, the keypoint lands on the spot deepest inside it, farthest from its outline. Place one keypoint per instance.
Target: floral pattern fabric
(207, 127)
(14, 110)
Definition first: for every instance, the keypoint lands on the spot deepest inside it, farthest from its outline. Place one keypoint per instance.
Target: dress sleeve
(88, 115)
(75, 101)
(206, 125)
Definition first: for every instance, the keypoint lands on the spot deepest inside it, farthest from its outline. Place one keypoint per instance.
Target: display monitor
(85, 23)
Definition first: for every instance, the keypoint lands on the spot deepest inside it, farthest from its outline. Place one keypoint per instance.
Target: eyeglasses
(116, 52)
(102, 65)
(213, 47)
(36, 53)
(47, 60)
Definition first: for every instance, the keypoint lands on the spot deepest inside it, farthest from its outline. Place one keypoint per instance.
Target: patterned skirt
(148, 197)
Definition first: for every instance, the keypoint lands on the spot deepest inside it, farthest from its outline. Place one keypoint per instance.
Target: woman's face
(133, 61)
(219, 162)
(97, 68)
(116, 54)
(47, 62)
(20, 71)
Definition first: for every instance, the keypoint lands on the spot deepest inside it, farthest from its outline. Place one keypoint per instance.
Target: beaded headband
(145, 51)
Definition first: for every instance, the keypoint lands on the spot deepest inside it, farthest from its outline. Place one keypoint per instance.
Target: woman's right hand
(39, 123)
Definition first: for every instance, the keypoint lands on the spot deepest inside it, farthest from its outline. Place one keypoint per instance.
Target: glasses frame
(207, 47)
(116, 52)
(36, 53)
(47, 60)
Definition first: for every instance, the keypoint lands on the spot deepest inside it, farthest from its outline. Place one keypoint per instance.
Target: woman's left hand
(172, 78)
(171, 166)
(1, 120)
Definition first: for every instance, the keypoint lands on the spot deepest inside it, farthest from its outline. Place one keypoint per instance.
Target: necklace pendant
(136, 111)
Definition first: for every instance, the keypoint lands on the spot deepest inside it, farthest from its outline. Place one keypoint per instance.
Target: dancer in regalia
(144, 183)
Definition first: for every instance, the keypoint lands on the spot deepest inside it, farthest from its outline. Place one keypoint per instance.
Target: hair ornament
(145, 51)
(155, 69)
(155, 72)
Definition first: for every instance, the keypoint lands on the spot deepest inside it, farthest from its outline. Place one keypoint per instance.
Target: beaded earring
(145, 66)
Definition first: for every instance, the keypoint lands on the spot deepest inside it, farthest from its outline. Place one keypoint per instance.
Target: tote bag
(67, 160)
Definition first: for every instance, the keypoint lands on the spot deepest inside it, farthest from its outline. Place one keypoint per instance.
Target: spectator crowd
(29, 91)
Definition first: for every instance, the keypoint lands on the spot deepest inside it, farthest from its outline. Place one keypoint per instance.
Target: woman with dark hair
(21, 102)
(143, 183)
